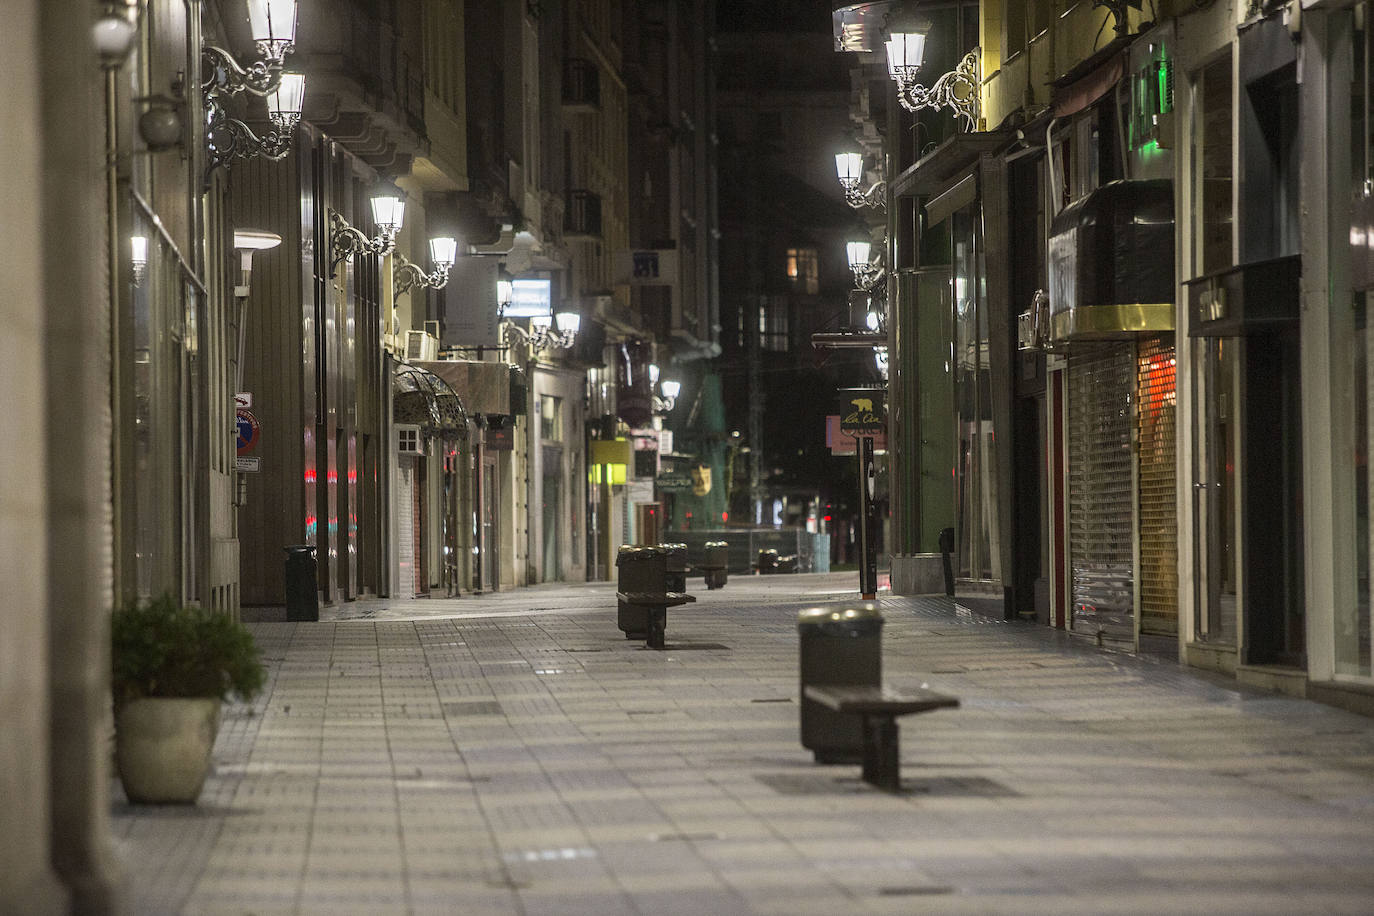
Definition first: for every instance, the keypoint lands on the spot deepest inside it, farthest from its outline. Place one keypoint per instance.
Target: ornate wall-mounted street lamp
(670, 389)
(272, 24)
(443, 251)
(866, 273)
(957, 89)
(546, 332)
(388, 212)
(849, 167)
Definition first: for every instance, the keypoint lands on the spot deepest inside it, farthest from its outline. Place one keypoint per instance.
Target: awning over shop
(1111, 262)
(936, 170)
(424, 399)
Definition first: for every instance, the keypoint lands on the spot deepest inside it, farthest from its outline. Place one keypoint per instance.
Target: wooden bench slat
(666, 599)
(879, 700)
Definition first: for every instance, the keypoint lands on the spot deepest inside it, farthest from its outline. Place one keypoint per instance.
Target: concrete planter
(162, 747)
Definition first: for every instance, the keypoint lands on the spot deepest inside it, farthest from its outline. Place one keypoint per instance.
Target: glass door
(1215, 546)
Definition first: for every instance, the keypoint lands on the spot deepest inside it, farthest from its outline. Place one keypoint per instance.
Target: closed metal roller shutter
(406, 520)
(1156, 451)
(1101, 383)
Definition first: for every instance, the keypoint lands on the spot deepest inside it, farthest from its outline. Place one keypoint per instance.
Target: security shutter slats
(1156, 406)
(1101, 384)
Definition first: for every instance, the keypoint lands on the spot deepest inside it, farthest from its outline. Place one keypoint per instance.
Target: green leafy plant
(161, 649)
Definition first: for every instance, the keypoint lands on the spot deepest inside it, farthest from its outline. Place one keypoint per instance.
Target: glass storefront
(976, 471)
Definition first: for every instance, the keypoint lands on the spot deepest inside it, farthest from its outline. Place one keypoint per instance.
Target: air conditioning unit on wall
(421, 346)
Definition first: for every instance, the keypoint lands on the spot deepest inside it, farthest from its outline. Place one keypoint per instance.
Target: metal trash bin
(716, 563)
(639, 570)
(768, 562)
(302, 583)
(839, 647)
(676, 577)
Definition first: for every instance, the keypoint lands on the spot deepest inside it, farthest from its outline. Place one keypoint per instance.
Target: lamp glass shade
(387, 211)
(541, 322)
(849, 166)
(569, 322)
(502, 292)
(272, 20)
(653, 370)
(138, 249)
(443, 250)
(255, 239)
(671, 388)
(905, 50)
(857, 253)
(286, 100)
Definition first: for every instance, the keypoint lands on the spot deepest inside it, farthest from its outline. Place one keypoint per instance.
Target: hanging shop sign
(862, 413)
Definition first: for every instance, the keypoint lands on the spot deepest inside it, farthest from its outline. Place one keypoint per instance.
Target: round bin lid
(864, 618)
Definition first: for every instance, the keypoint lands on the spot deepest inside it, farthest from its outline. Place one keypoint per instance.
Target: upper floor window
(550, 417)
(802, 270)
(773, 324)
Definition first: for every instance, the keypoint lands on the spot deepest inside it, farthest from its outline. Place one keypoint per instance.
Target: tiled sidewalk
(514, 754)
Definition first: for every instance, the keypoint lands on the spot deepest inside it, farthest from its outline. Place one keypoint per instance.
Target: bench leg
(882, 760)
(658, 624)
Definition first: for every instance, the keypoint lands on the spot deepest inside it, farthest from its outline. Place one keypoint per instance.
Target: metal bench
(656, 606)
(878, 708)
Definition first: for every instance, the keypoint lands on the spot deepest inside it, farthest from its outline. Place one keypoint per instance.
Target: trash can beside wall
(839, 647)
(302, 589)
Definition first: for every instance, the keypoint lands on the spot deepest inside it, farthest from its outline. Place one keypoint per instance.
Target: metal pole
(868, 560)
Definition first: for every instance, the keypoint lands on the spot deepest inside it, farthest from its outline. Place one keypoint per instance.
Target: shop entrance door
(1216, 570)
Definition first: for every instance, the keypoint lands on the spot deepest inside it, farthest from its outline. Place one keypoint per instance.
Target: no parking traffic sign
(248, 431)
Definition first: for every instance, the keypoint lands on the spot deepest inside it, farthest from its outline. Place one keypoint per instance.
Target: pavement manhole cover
(913, 891)
(773, 700)
(474, 708)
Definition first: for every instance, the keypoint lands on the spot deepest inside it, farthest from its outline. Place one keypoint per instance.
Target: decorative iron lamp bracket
(227, 137)
(345, 242)
(858, 199)
(224, 76)
(537, 338)
(957, 89)
(406, 276)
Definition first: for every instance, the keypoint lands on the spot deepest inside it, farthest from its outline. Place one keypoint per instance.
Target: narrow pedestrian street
(515, 754)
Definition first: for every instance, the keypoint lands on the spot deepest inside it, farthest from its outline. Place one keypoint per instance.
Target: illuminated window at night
(803, 270)
(773, 324)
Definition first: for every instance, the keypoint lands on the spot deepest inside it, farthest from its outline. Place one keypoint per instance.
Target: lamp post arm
(957, 89)
(222, 75)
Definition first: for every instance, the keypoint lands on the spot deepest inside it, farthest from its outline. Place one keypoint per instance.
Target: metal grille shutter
(1155, 410)
(406, 541)
(1101, 383)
